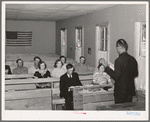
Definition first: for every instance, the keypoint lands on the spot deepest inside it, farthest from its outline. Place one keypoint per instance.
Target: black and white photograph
(71, 60)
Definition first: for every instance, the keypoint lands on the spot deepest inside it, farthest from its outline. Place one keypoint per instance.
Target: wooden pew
(39, 99)
(56, 100)
(16, 87)
(19, 76)
(85, 73)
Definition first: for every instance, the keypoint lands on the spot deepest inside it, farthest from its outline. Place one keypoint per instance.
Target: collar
(123, 54)
(69, 75)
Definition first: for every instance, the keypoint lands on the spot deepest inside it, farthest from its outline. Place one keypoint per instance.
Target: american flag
(18, 38)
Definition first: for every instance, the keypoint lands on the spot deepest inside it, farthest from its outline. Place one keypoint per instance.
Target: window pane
(103, 39)
(79, 38)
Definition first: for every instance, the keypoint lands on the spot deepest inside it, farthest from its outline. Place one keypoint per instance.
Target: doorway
(102, 42)
(140, 54)
(64, 42)
(79, 43)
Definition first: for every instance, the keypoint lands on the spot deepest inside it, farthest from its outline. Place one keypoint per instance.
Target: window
(143, 40)
(103, 38)
(63, 37)
(18, 38)
(79, 37)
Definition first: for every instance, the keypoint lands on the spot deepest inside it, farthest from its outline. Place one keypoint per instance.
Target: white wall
(43, 40)
(122, 19)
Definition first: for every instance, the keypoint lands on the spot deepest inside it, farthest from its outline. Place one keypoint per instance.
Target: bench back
(85, 80)
(39, 99)
(21, 94)
(19, 76)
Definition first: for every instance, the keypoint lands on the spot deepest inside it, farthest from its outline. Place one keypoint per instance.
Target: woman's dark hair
(83, 57)
(37, 58)
(122, 43)
(19, 60)
(62, 57)
(100, 64)
(55, 64)
(42, 63)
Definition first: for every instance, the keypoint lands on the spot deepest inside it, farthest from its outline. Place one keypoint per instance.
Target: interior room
(91, 29)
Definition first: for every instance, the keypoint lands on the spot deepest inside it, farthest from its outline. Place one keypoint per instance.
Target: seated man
(7, 69)
(67, 80)
(82, 67)
(20, 69)
(35, 68)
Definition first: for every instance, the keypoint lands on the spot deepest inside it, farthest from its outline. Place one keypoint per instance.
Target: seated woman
(63, 59)
(43, 73)
(7, 69)
(100, 77)
(58, 71)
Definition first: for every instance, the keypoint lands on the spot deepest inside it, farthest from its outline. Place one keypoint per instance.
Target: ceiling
(50, 12)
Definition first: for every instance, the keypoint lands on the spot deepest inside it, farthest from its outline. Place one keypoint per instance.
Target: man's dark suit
(65, 83)
(126, 69)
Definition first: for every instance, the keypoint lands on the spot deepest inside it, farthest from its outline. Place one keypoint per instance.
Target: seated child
(100, 77)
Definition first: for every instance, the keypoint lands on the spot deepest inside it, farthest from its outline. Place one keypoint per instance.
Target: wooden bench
(56, 100)
(19, 76)
(38, 99)
(22, 86)
(85, 73)
(21, 95)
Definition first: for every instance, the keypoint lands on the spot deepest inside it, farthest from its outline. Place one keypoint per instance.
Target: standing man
(126, 69)
(67, 80)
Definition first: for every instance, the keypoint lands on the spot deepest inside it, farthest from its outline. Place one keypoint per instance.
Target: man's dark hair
(122, 43)
(55, 64)
(62, 57)
(42, 63)
(37, 58)
(19, 60)
(83, 57)
(69, 66)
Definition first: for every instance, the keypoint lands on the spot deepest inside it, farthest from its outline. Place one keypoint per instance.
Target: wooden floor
(138, 106)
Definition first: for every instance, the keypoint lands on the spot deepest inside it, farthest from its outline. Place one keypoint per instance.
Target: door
(79, 43)
(102, 42)
(140, 54)
(64, 42)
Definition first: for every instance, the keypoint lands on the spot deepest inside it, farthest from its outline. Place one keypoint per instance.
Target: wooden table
(95, 98)
(80, 101)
